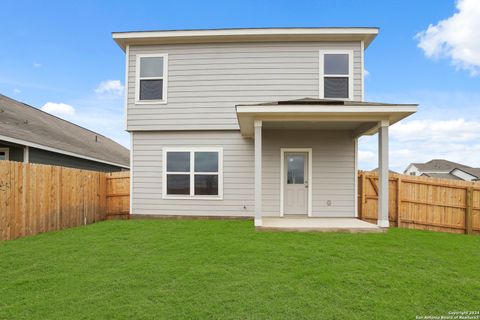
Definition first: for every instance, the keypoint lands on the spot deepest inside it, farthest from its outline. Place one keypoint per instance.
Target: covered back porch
(306, 157)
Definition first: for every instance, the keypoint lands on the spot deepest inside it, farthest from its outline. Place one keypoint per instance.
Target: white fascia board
(393, 113)
(72, 154)
(233, 35)
(335, 109)
(245, 32)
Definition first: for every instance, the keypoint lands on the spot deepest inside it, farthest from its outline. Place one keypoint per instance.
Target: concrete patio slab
(304, 224)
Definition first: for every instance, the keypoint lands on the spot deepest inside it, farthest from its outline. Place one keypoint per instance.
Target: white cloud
(59, 109)
(17, 91)
(447, 125)
(367, 156)
(429, 131)
(422, 140)
(457, 37)
(37, 65)
(366, 73)
(113, 87)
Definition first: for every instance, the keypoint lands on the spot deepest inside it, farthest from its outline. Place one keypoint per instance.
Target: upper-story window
(336, 74)
(152, 70)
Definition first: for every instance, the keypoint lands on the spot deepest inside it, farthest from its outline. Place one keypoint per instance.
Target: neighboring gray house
(440, 168)
(28, 134)
(251, 122)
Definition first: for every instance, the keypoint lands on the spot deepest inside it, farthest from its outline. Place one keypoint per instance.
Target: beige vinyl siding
(333, 168)
(238, 175)
(206, 81)
(333, 172)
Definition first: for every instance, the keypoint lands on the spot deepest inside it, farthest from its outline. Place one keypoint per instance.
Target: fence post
(399, 200)
(362, 195)
(25, 171)
(468, 211)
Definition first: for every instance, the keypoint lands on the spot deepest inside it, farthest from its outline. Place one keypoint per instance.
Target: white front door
(296, 183)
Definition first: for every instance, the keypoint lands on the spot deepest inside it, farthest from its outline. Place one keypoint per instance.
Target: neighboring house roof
(441, 176)
(390, 171)
(471, 171)
(365, 34)
(26, 125)
(438, 165)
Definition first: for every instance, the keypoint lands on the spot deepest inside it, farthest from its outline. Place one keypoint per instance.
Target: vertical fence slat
(399, 201)
(469, 211)
(361, 195)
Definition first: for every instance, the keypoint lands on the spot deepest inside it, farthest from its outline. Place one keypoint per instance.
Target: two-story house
(251, 122)
(443, 169)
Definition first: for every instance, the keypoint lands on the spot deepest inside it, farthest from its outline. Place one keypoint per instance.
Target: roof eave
(368, 114)
(60, 151)
(245, 35)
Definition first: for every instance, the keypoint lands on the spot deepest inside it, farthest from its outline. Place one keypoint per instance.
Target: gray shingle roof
(24, 122)
(439, 165)
(473, 171)
(441, 176)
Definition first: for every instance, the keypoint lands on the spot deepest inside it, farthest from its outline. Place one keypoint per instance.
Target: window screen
(336, 87)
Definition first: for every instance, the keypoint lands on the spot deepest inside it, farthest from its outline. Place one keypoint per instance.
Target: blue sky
(60, 52)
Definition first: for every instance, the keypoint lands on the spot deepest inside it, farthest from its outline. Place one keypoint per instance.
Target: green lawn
(225, 270)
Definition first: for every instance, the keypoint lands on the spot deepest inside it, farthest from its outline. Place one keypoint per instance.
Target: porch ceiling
(362, 118)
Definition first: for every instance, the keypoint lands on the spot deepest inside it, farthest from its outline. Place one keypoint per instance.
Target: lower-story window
(193, 173)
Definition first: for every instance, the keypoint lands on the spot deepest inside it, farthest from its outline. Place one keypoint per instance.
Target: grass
(225, 270)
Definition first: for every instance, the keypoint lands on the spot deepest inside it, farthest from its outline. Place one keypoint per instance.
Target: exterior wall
(15, 151)
(333, 172)
(206, 81)
(238, 173)
(58, 159)
(412, 170)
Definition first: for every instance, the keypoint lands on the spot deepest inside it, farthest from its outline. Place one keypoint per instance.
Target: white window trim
(192, 173)
(164, 77)
(282, 177)
(322, 76)
(7, 152)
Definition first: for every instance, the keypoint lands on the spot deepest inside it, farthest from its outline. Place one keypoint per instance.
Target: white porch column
(383, 174)
(258, 173)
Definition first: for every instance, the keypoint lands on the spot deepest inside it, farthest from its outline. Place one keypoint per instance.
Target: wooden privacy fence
(40, 198)
(118, 195)
(423, 203)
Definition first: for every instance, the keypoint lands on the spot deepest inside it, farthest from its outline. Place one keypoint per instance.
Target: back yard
(226, 270)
